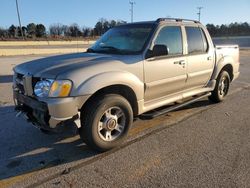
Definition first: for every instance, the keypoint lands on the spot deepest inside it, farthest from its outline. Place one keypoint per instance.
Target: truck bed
(223, 51)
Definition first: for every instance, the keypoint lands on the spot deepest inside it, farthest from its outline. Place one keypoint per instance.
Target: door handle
(209, 58)
(181, 62)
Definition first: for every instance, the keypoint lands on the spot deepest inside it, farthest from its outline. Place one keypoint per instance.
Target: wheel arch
(225, 64)
(119, 89)
(229, 69)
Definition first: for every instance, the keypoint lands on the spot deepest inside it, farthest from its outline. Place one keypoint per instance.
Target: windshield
(127, 39)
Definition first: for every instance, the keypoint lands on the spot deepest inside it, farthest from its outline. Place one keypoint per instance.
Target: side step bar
(153, 114)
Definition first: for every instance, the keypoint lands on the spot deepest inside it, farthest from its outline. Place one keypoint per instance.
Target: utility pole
(19, 19)
(199, 13)
(132, 3)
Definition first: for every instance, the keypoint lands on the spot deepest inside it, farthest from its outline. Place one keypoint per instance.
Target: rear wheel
(222, 87)
(105, 122)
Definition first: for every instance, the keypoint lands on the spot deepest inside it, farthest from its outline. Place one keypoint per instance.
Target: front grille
(19, 76)
(20, 88)
(19, 82)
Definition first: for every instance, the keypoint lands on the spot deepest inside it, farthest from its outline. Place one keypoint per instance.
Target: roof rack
(176, 19)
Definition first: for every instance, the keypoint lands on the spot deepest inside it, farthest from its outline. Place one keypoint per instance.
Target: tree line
(233, 29)
(31, 30)
(58, 30)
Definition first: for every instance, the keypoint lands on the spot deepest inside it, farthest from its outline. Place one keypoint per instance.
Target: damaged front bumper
(49, 113)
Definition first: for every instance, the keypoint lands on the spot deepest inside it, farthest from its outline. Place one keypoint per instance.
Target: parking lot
(203, 144)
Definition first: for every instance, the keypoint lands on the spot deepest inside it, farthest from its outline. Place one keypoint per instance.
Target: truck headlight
(42, 88)
(53, 88)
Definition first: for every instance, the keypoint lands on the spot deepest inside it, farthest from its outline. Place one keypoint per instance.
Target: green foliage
(40, 30)
(233, 29)
(31, 30)
(12, 31)
(3, 33)
(24, 30)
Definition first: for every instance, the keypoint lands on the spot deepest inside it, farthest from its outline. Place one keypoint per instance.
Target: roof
(159, 20)
(176, 20)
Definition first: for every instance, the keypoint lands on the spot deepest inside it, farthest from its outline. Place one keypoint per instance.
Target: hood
(50, 67)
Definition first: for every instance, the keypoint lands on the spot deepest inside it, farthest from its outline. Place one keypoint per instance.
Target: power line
(19, 19)
(132, 3)
(199, 13)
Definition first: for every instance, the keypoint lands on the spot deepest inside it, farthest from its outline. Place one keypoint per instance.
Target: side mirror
(160, 50)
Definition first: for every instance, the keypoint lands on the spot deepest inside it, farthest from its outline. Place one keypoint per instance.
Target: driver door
(166, 74)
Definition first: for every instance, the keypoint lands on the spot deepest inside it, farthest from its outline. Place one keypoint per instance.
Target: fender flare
(226, 60)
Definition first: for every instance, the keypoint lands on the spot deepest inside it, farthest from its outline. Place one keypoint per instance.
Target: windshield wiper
(111, 47)
(90, 50)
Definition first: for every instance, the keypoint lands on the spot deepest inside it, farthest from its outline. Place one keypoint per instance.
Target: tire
(105, 122)
(221, 88)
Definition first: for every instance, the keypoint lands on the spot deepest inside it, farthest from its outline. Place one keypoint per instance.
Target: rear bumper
(49, 113)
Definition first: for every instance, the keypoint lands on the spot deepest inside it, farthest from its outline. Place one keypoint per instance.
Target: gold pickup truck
(131, 70)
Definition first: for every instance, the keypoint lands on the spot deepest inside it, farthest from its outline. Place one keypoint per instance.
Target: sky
(87, 13)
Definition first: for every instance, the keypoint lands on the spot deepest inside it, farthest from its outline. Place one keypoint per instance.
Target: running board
(151, 115)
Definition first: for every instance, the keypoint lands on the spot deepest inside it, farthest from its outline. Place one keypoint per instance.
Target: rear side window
(196, 39)
(170, 36)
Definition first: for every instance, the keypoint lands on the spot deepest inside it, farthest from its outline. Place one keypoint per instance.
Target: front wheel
(106, 121)
(222, 87)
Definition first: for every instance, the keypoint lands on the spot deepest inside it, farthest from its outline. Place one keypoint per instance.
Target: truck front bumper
(49, 113)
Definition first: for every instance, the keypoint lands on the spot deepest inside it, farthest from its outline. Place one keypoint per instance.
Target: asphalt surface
(202, 145)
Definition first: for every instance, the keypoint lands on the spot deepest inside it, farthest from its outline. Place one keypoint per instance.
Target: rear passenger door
(200, 58)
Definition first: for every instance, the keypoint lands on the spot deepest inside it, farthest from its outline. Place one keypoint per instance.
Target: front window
(127, 39)
(171, 37)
